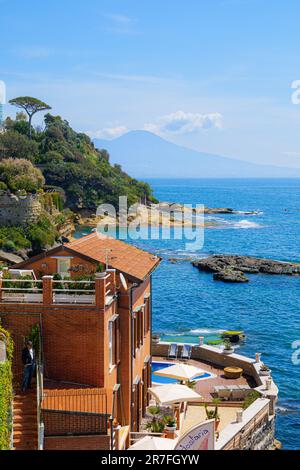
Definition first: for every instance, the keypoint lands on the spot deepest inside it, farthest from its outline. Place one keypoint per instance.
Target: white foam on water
(206, 331)
(246, 224)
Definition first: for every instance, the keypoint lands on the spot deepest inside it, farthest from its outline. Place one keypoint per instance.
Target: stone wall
(17, 211)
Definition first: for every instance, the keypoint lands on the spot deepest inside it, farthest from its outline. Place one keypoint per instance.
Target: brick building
(94, 321)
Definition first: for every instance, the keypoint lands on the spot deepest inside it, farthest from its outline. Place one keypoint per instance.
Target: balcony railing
(83, 293)
(21, 291)
(75, 412)
(99, 292)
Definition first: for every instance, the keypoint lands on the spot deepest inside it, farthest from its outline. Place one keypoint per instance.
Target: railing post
(112, 273)
(100, 290)
(116, 434)
(47, 290)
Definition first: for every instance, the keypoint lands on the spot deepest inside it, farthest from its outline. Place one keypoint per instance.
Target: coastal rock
(229, 268)
(10, 258)
(230, 275)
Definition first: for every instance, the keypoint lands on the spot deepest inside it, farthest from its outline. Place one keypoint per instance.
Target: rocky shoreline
(230, 268)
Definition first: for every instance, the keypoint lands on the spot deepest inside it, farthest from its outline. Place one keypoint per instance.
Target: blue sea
(188, 303)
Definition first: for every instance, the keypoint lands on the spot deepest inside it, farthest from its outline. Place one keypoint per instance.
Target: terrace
(99, 291)
(241, 417)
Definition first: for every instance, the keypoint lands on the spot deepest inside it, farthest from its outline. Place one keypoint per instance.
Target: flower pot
(228, 351)
(170, 432)
(264, 373)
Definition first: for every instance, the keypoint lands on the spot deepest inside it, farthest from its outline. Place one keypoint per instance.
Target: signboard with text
(200, 437)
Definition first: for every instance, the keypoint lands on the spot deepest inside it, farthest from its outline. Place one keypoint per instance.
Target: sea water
(187, 303)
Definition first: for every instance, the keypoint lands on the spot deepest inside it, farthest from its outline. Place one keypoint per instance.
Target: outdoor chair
(173, 351)
(186, 352)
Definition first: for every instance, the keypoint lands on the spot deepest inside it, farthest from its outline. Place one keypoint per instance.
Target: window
(147, 319)
(63, 266)
(114, 340)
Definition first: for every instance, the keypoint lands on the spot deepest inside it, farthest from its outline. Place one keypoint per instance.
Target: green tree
(14, 144)
(31, 106)
(20, 174)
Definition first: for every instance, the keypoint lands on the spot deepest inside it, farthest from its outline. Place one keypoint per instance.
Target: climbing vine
(6, 394)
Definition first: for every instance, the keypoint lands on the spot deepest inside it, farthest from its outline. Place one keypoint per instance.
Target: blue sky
(211, 75)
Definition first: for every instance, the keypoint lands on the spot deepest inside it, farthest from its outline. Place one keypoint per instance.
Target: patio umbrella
(180, 371)
(153, 443)
(173, 393)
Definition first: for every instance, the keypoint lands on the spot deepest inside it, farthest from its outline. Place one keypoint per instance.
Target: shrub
(251, 398)
(6, 394)
(8, 245)
(20, 174)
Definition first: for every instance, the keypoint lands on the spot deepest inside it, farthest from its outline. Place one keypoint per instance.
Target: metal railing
(39, 396)
(75, 412)
(63, 293)
(22, 290)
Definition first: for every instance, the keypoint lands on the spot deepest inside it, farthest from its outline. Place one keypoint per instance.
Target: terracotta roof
(128, 259)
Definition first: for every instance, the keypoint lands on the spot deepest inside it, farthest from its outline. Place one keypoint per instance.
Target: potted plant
(264, 371)
(214, 414)
(170, 423)
(156, 424)
(228, 349)
(155, 338)
(170, 426)
(191, 384)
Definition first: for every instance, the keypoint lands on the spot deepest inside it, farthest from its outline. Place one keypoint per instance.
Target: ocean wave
(254, 213)
(246, 224)
(207, 331)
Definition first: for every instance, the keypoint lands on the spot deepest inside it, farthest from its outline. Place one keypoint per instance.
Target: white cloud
(181, 122)
(120, 24)
(108, 133)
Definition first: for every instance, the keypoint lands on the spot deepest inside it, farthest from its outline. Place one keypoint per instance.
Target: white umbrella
(180, 372)
(154, 443)
(173, 393)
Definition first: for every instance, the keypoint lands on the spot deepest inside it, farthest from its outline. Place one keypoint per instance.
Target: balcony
(74, 411)
(99, 292)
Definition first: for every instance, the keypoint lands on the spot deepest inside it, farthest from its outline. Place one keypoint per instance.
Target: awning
(179, 371)
(173, 393)
(153, 443)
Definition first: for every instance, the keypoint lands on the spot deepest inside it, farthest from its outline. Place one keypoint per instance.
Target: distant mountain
(143, 154)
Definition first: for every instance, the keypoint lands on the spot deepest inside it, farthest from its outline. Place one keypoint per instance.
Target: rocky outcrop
(17, 210)
(229, 268)
(10, 258)
(230, 275)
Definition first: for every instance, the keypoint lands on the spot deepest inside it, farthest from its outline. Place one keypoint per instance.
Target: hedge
(6, 394)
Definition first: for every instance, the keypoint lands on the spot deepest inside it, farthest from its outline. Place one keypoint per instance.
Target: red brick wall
(48, 265)
(77, 443)
(73, 340)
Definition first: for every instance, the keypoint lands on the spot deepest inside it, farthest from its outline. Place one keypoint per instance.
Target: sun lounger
(186, 351)
(223, 392)
(237, 393)
(173, 351)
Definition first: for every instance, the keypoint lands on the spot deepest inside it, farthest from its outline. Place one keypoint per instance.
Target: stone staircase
(25, 433)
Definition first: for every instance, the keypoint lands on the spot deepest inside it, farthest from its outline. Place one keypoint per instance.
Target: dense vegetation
(32, 237)
(6, 394)
(67, 160)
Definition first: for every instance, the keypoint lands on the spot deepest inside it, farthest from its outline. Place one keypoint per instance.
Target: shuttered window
(114, 340)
